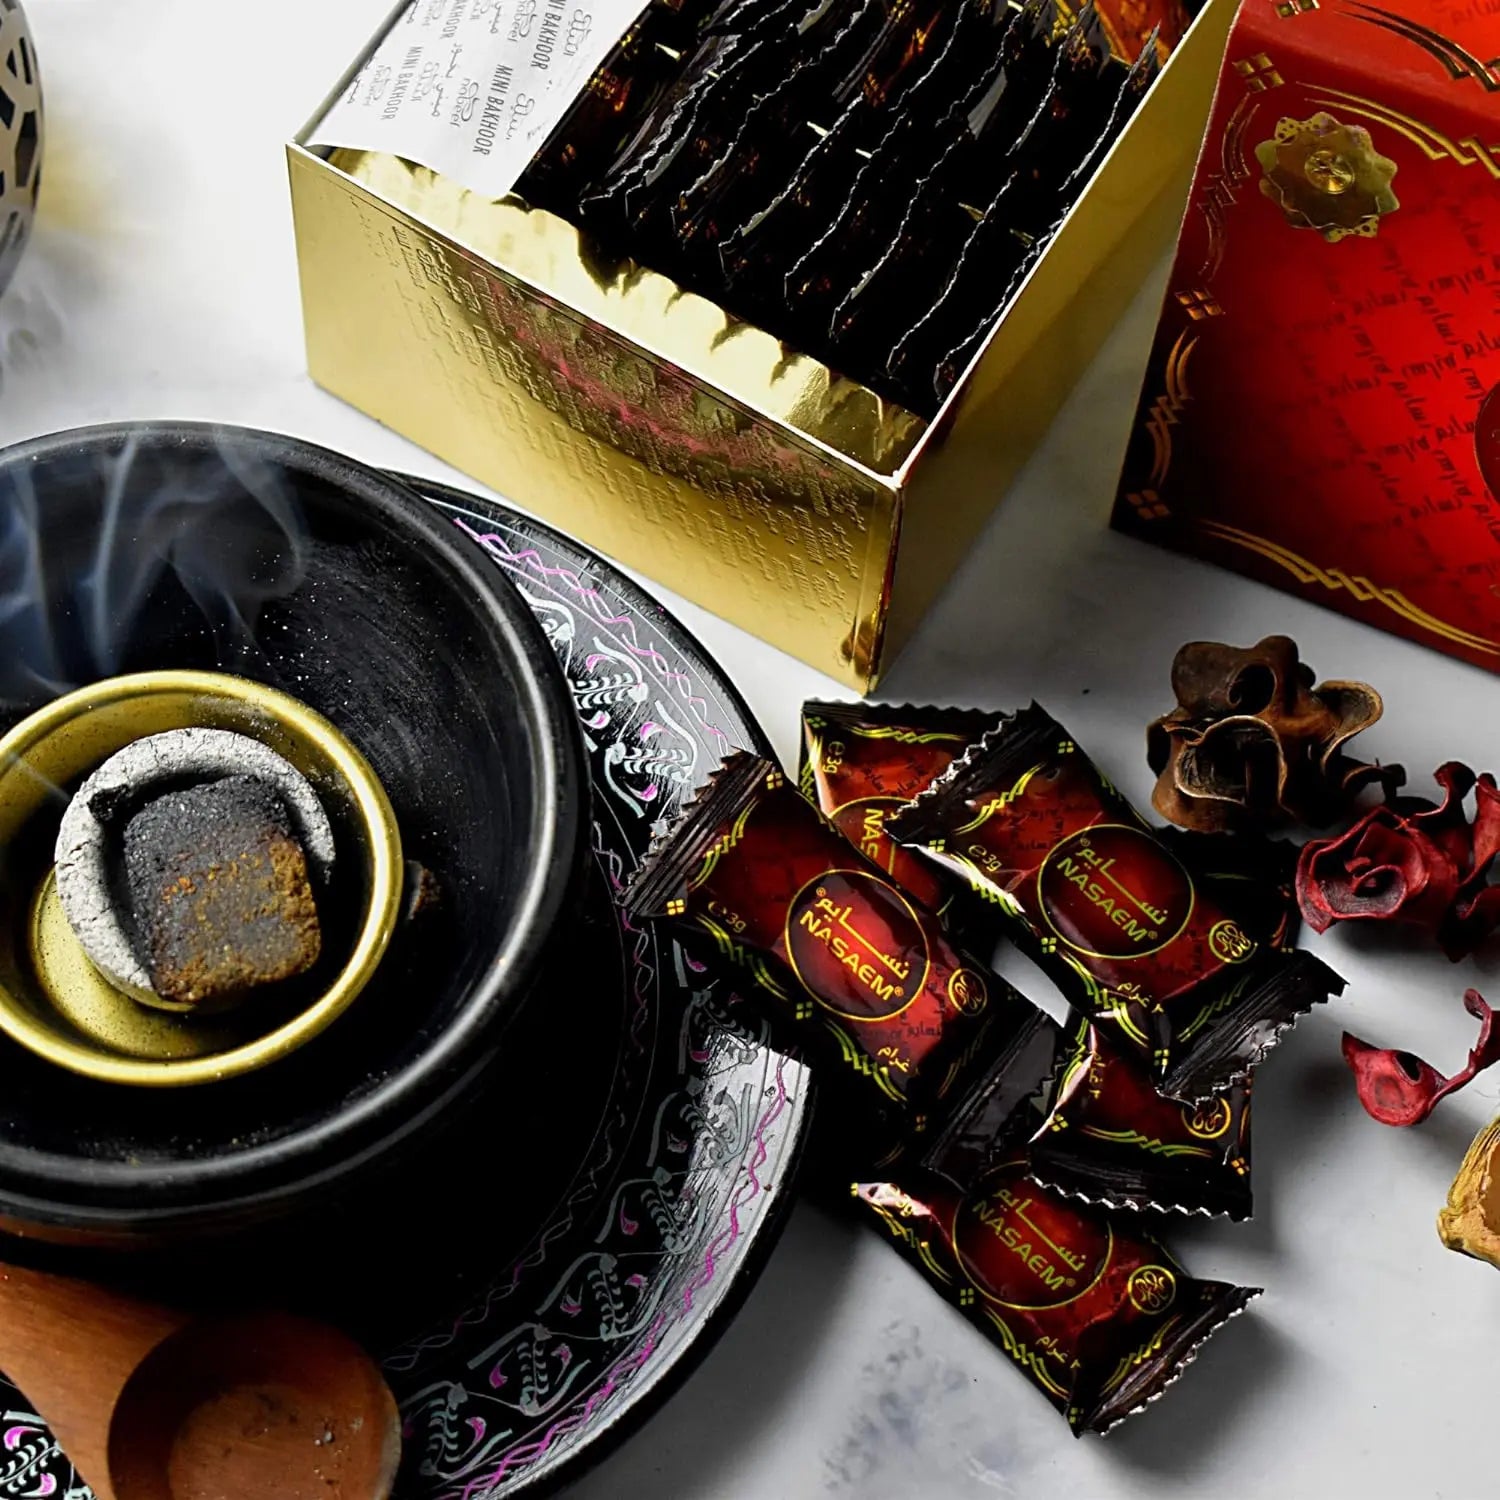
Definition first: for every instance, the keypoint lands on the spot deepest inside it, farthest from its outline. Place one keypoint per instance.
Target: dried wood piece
(1253, 743)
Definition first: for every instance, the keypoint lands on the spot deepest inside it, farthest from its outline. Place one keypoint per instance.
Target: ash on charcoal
(88, 840)
(219, 893)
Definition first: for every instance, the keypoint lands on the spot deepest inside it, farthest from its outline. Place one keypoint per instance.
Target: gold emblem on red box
(1259, 73)
(1327, 176)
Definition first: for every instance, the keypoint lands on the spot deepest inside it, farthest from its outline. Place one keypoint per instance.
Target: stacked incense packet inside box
(869, 180)
(1021, 1164)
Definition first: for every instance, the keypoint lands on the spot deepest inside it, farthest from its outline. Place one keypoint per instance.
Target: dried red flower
(1412, 861)
(1399, 1088)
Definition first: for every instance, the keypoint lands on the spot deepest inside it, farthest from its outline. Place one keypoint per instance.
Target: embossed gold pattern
(1327, 176)
(1148, 505)
(652, 311)
(1259, 73)
(1151, 1288)
(1198, 304)
(1166, 410)
(1359, 587)
(1434, 145)
(1223, 184)
(613, 443)
(1460, 64)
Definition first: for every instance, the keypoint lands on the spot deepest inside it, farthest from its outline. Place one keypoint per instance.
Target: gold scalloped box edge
(747, 366)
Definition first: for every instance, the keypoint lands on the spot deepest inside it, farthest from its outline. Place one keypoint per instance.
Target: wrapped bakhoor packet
(1095, 1312)
(1109, 1136)
(1112, 1139)
(857, 1135)
(1089, 891)
(852, 965)
(862, 761)
(1105, 1136)
(1251, 877)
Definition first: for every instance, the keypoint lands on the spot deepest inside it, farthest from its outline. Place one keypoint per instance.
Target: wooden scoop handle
(71, 1346)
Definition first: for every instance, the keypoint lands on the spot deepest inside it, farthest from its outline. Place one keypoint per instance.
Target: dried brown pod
(1470, 1222)
(1252, 742)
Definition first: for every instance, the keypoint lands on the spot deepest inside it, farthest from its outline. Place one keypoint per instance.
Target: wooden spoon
(152, 1404)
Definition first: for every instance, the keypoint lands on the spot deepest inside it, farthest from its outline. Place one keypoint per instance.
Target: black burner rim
(124, 1205)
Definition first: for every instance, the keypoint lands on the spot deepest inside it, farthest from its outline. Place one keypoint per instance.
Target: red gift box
(1322, 407)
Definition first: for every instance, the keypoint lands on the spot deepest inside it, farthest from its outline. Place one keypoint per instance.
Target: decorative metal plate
(664, 1217)
(20, 135)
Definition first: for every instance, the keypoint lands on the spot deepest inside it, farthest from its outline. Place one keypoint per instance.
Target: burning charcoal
(219, 891)
(89, 836)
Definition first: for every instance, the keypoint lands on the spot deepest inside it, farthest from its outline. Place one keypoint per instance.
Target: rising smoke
(98, 548)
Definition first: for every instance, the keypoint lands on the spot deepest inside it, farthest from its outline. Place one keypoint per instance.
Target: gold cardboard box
(686, 443)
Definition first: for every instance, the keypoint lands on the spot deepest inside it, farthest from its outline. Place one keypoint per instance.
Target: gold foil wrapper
(1470, 1221)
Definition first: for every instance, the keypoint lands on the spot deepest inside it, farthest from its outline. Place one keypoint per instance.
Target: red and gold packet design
(1111, 1138)
(862, 761)
(1251, 877)
(1098, 1315)
(841, 950)
(1084, 884)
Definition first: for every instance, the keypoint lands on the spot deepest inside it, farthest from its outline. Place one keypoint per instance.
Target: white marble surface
(162, 283)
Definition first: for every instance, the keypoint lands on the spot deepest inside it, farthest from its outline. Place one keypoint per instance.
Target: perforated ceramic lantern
(20, 135)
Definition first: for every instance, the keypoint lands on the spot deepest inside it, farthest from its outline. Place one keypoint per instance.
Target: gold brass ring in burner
(53, 1001)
